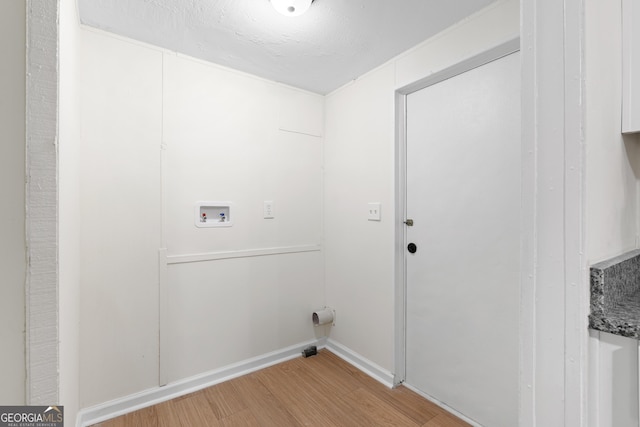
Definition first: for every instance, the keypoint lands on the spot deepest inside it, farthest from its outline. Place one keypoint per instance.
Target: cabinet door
(613, 380)
(630, 66)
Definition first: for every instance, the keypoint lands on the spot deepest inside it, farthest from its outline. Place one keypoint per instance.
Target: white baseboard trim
(153, 396)
(444, 406)
(368, 367)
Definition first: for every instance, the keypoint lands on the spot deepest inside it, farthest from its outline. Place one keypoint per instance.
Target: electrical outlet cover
(374, 211)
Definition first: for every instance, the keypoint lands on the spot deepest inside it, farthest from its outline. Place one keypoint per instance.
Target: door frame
(400, 326)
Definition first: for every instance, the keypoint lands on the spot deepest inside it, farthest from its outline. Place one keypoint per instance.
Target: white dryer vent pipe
(323, 316)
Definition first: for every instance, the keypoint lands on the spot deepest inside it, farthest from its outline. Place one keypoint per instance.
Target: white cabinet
(630, 66)
(613, 380)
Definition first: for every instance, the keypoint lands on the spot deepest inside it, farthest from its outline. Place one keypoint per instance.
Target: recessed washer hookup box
(213, 214)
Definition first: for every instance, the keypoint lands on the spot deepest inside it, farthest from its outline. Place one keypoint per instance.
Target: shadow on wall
(632, 147)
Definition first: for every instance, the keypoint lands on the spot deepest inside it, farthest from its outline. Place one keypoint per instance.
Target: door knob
(412, 248)
(409, 222)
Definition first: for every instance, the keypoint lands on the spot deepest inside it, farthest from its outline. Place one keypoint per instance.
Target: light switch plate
(374, 211)
(268, 209)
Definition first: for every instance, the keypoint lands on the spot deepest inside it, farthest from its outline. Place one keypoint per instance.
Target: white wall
(121, 119)
(359, 168)
(160, 132)
(12, 209)
(613, 168)
(613, 161)
(69, 210)
(233, 137)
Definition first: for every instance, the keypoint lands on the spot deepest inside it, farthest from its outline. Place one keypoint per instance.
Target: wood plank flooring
(321, 390)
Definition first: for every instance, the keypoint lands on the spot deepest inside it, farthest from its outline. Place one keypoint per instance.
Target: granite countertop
(615, 295)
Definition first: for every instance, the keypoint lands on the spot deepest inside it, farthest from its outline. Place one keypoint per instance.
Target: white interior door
(463, 193)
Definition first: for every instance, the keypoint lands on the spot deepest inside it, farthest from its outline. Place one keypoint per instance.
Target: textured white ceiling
(333, 43)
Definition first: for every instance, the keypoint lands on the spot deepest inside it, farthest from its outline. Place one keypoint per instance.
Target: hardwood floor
(322, 390)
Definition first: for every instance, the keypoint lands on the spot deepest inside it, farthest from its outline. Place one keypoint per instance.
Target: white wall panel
(301, 111)
(359, 253)
(223, 144)
(226, 311)
(613, 161)
(120, 216)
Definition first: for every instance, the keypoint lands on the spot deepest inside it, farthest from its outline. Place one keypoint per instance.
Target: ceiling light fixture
(291, 7)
